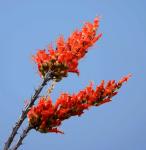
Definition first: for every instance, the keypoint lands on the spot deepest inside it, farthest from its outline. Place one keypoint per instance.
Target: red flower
(46, 117)
(68, 53)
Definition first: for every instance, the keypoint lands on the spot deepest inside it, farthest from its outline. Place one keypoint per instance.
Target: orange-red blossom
(67, 54)
(47, 117)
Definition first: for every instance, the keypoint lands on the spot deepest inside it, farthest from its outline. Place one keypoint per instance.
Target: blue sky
(26, 26)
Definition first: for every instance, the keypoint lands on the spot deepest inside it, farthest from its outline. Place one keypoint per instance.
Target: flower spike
(47, 117)
(68, 53)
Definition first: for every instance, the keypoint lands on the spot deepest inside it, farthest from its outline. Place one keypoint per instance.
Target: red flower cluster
(46, 116)
(68, 53)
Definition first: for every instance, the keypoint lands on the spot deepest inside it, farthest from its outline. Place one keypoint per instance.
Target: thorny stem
(21, 138)
(23, 116)
(49, 91)
(27, 129)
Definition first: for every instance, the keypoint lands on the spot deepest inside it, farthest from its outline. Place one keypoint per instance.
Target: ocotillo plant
(54, 65)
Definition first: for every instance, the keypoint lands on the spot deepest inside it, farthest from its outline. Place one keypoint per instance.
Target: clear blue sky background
(26, 26)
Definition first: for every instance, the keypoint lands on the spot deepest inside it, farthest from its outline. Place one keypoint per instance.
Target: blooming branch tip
(47, 117)
(65, 58)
